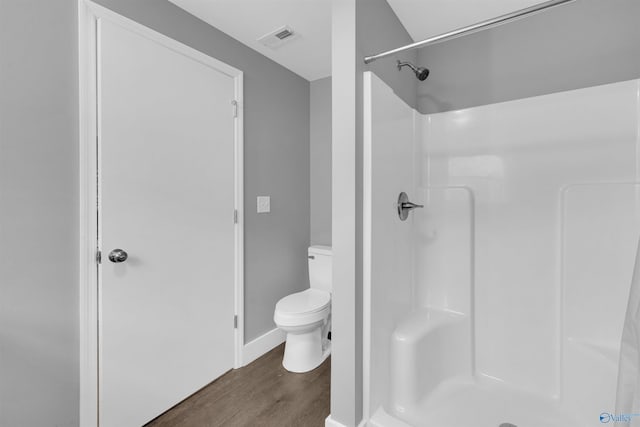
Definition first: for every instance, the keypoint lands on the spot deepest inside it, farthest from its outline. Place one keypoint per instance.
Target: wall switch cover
(264, 204)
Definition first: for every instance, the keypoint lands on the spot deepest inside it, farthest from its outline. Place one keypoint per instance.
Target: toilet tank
(320, 267)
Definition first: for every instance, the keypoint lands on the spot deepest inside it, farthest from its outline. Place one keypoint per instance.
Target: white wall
(320, 161)
(389, 147)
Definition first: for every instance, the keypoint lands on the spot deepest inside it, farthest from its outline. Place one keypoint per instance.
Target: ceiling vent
(279, 37)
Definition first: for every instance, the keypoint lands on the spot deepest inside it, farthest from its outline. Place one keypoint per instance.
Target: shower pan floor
(486, 403)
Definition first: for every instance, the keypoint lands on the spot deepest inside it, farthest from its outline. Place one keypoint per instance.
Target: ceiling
(428, 18)
(309, 55)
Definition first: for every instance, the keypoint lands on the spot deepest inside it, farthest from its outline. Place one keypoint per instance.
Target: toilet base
(304, 352)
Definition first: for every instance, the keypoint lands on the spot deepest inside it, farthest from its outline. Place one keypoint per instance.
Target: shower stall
(501, 302)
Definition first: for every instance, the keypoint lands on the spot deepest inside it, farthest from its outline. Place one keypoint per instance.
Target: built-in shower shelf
(427, 347)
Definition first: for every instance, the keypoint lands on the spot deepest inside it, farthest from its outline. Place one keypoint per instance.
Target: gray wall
(377, 30)
(276, 150)
(360, 27)
(320, 158)
(581, 44)
(38, 213)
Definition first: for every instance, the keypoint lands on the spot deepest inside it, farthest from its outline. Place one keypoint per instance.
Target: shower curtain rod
(503, 19)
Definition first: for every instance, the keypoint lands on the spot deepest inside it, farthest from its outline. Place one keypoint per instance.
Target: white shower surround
(504, 299)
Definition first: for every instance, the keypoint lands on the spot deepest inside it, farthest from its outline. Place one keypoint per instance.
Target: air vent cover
(279, 37)
(284, 34)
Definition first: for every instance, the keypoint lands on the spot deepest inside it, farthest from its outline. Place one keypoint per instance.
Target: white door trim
(89, 13)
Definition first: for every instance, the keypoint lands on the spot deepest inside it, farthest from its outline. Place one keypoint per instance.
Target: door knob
(118, 255)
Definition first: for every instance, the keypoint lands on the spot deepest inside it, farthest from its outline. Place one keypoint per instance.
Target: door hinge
(235, 216)
(235, 322)
(98, 256)
(235, 108)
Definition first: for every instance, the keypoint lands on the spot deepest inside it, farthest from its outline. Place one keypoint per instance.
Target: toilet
(306, 316)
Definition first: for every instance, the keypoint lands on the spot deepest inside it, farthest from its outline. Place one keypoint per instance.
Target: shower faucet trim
(405, 206)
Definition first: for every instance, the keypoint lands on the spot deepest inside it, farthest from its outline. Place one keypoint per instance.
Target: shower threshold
(486, 403)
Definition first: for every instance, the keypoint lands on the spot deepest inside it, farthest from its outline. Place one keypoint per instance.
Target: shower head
(420, 72)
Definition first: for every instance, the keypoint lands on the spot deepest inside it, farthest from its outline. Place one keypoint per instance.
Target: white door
(166, 167)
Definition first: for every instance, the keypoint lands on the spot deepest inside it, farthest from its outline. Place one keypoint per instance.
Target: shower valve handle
(405, 206)
(410, 206)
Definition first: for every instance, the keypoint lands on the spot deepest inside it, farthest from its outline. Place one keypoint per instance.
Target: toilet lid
(308, 301)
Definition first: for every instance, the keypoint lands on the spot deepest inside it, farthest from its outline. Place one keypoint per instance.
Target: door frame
(89, 15)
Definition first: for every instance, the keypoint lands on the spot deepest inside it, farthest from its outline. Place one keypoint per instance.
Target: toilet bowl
(306, 316)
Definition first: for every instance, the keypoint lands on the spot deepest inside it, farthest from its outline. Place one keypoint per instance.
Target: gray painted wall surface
(361, 27)
(39, 384)
(320, 167)
(276, 150)
(378, 29)
(581, 44)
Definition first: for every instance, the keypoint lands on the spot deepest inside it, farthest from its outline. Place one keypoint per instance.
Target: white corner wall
(389, 152)
(344, 360)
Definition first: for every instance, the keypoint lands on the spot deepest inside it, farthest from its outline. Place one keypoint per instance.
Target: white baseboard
(330, 422)
(261, 345)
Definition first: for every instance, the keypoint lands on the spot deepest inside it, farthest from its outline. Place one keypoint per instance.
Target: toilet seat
(302, 308)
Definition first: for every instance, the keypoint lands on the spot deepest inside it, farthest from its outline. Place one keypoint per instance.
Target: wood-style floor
(262, 393)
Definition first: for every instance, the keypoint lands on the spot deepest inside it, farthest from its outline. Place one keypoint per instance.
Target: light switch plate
(264, 204)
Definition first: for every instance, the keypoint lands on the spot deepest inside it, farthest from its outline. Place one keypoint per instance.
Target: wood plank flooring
(262, 393)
